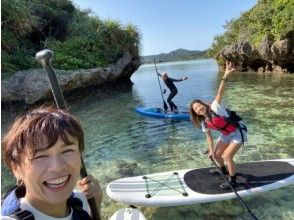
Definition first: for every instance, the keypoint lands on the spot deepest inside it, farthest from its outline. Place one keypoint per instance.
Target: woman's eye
(39, 157)
(67, 151)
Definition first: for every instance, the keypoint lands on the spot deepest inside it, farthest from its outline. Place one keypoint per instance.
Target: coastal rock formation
(268, 56)
(33, 85)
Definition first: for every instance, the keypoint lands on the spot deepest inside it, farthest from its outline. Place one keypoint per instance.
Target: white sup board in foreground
(128, 214)
(194, 186)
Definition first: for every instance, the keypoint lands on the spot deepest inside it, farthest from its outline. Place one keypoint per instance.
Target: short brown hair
(39, 129)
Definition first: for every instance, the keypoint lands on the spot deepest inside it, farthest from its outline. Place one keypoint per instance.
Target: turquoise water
(121, 143)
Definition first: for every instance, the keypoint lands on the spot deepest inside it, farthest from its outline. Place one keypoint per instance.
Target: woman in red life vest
(233, 134)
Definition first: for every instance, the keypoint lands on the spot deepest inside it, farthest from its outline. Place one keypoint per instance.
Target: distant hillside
(179, 54)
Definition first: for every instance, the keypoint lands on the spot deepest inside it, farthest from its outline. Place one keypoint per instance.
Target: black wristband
(225, 79)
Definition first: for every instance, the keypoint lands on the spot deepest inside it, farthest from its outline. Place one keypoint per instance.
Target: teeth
(57, 182)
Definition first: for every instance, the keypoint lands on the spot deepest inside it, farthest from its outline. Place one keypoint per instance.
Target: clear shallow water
(121, 143)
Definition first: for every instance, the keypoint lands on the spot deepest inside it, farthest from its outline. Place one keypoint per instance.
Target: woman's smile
(199, 109)
(57, 184)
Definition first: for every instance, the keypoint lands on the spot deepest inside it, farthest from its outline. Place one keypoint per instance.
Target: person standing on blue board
(233, 132)
(43, 150)
(169, 82)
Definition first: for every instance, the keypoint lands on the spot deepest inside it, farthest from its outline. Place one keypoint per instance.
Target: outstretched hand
(230, 68)
(184, 78)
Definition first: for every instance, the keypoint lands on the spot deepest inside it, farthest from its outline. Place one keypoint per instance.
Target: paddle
(164, 103)
(233, 189)
(44, 57)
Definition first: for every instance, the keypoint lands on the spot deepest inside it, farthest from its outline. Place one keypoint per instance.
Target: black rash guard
(169, 83)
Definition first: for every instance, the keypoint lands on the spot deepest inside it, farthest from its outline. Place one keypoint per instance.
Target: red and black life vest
(226, 125)
(222, 124)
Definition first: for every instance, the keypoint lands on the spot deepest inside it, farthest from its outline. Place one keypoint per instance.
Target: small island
(177, 55)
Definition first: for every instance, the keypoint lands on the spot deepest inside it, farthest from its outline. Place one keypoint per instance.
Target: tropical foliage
(271, 18)
(78, 38)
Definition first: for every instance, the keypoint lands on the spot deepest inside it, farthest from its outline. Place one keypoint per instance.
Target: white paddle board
(194, 186)
(128, 214)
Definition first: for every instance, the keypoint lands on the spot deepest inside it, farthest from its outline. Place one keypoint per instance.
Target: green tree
(78, 38)
(267, 18)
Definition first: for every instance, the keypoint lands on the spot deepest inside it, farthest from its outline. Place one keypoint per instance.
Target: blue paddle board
(160, 113)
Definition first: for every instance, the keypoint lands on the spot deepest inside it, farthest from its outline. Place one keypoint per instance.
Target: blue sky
(167, 25)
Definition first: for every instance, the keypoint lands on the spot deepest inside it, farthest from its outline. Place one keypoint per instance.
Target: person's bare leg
(218, 152)
(228, 155)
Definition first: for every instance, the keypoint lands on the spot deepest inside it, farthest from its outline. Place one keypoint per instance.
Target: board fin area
(130, 213)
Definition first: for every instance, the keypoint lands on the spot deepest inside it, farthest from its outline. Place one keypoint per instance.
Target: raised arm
(230, 68)
(179, 80)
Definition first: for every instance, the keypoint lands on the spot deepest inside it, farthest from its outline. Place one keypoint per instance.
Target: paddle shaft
(44, 57)
(233, 189)
(164, 103)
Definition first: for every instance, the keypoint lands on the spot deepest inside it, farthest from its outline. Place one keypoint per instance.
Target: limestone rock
(269, 55)
(265, 48)
(33, 85)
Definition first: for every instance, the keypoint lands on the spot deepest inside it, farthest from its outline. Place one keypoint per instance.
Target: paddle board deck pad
(128, 214)
(160, 113)
(194, 186)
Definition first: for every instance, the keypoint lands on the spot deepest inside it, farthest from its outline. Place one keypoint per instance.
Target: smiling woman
(43, 150)
(233, 131)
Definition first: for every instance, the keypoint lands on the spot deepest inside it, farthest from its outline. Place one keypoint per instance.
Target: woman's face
(199, 109)
(51, 174)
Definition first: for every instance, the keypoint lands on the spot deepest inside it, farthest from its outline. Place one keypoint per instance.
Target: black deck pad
(249, 175)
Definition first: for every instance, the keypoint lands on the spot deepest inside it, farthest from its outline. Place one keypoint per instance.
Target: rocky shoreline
(268, 56)
(33, 86)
